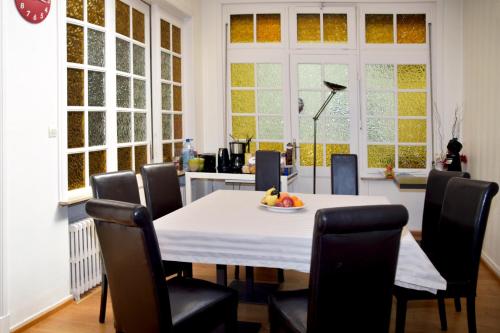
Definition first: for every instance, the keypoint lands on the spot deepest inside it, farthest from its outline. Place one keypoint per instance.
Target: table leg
(222, 275)
(188, 189)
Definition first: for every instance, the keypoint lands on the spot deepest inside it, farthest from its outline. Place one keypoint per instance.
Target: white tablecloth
(229, 227)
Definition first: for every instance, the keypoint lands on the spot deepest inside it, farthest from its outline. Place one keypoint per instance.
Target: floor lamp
(333, 90)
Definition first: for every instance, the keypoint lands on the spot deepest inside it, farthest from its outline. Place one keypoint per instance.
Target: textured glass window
(242, 28)
(176, 39)
(380, 76)
(269, 75)
(177, 148)
(139, 60)
(76, 171)
(412, 130)
(166, 72)
(97, 128)
(74, 9)
(268, 28)
(139, 127)
(270, 101)
(74, 43)
(306, 129)
(243, 127)
(335, 28)
(338, 106)
(122, 91)
(312, 102)
(165, 34)
(124, 158)
(96, 12)
(335, 129)
(307, 154)
(97, 162)
(122, 55)
(177, 69)
(138, 25)
(166, 96)
(412, 104)
(412, 157)
(243, 101)
(139, 94)
(380, 103)
(271, 127)
(95, 48)
(177, 126)
(96, 85)
(122, 17)
(167, 152)
(166, 126)
(381, 130)
(308, 28)
(380, 156)
(379, 28)
(242, 75)
(310, 76)
(274, 146)
(411, 28)
(337, 73)
(335, 149)
(75, 87)
(76, 129)
(141, 157)
(412, 77)
(124, 127)
(177, 98)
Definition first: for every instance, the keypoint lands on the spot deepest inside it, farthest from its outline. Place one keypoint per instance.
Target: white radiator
(85, 257)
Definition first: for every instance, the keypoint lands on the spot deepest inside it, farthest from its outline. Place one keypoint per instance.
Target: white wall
(482, 107)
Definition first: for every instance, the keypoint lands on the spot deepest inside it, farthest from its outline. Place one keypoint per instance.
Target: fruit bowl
(281, 201)
(282, 209)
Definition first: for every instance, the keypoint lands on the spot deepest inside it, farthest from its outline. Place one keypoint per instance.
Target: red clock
(34, 11)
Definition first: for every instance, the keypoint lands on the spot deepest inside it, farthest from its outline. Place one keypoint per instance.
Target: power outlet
(52, 132)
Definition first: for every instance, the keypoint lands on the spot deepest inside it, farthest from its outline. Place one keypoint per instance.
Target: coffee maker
(237, 155)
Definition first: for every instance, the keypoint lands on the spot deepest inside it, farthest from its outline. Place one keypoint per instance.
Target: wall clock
(33, 11)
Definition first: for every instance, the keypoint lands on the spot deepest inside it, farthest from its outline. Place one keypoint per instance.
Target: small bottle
(187, 153)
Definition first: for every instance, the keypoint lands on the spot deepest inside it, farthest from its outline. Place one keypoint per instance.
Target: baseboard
(4, 324)
(491, 264)
(37, 317)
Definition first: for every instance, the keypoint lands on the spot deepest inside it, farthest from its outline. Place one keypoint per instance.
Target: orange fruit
(297, 202)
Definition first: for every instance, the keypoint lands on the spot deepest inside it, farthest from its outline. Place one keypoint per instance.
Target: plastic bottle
(187, 153)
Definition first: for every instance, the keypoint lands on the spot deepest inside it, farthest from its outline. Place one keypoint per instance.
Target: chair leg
(104, 298)
(401, 315)
(281, 275)
(188, 270)
(442, 314)
(458, 305)
(471, 313)
(236, 272)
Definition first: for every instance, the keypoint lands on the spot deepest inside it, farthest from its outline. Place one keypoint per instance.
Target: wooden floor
(422, 316)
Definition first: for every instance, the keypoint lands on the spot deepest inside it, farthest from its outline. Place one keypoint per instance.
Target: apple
(278, 204)
(287, 202)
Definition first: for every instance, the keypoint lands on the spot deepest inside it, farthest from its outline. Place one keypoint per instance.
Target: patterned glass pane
(74, 43)
(95, 12)
(306, 129)
(95, 47)
(253, 147)
(177, 69)
(308, 28)
(412, 130)
(274, 146)
(335, 28)
(381, 130)
(165, 35)
(138, 25)
(379, 28)
(166, 96)
(177, 98)
(412, 77)
(167, 152)
(176, 39)
(124, 128)
(74, 9)
(76, 126)
(139, 127)
(242, 75)
(124, 158)
(139, 60)
(380, 103)
(97, 162)
(338, 106)
(411, 28)
(75, 87)
(269, 101)
(166, 72)
(271, 127)
(412, 104)
(379, 76)
(242, 28)
(177, 148)
(337, 73)
(334, 129)
(380, 156)
(269, 75)
(312, 101)
(97, 129)
(243, 127)
(310, 76)
(122, 18)
(177, 126)
(243, 101)
(122, 91)
(307, 154)
(122, 55)
(335, 149)
(141, 157)
(268, 28)
(139, 94)
(76, 171)
(96, 85)
(166, 126)
(412, 157)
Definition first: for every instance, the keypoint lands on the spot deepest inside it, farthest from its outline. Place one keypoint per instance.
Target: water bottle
(187, 153)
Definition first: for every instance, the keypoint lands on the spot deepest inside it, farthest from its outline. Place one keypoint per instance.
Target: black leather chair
(143, 300)
(353, 266)
(344, 174)
(457, 255)
(163, 196)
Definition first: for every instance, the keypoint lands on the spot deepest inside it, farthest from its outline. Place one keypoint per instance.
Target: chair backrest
(344, 171)
(267, 170)
(134, 268)
(161, 189)
(120, 186)
(461, 230)
(433, 202)
(353, 266)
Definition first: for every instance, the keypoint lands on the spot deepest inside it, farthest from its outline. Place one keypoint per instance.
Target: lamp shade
(333, 86)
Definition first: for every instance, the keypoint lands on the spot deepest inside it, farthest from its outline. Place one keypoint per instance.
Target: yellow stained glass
(138, 25)
(268, 28)
(122, 17)
(125, 158)
(167, 152)
(242, 75)
(76, 129)
(243, 101)
(412, 130)
(243, 127)
(97, 162)
(412, 157)
(177, 69)
(308, 28)
(276, 146)
(307, 154)
(177, 127)
(74, 9)
(74, 43)
(335, 149)
(141, 157)
(411, 28)
(75, 87)
(242, 28)
(176, 39)
(76, 171)
(379, 28)
(335, 28)
(177, 98)
(253, 147)
(165, 35)
(412, 104)
(412, 77)
(380, 156)
(96, 12)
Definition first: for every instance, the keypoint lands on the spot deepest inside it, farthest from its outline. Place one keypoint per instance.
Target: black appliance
(209, 162)
(237, 155)
(223, 162)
